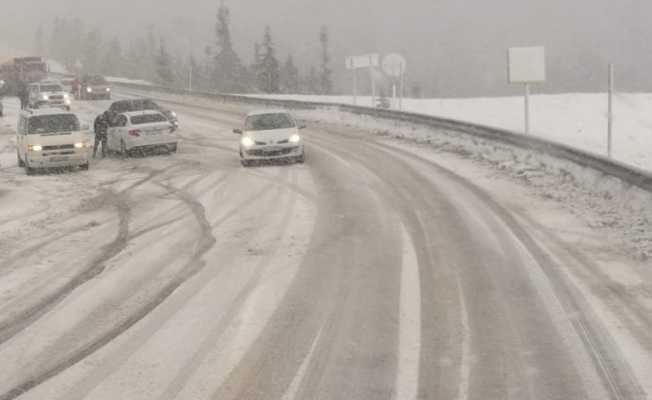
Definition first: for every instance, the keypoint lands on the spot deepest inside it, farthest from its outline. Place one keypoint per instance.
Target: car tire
(84, 167)
(301, 159)
(29, 170)
(123, 150)
(172, 148)
(21, 163)
(246, 163)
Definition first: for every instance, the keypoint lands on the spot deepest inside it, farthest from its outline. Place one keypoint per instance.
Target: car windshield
(53, 124)
(267, 122)
(147, 119)
(51, 88)
(97, 80)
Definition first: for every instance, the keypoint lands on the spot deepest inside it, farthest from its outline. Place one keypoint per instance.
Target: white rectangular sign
(527, 64)
(366, 61)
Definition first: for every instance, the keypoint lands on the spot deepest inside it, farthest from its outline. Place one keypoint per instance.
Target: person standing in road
(101, 127)
(23, 94)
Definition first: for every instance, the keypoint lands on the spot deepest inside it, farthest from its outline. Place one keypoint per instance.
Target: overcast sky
(454, 47)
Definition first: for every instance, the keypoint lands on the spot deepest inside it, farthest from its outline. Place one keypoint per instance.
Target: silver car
(48, 94)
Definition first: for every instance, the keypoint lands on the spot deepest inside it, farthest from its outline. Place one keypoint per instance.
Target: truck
(26, 69)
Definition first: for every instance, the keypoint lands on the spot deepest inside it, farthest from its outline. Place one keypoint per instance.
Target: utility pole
(610, 112)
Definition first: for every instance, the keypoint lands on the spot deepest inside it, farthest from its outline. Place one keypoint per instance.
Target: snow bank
(578, 120)
(606, 203)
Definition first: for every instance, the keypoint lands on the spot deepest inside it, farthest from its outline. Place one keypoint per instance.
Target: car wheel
(172, 148)
(245, 163)
(85, 167)
(301, 159)
(20, 160)
(123, 150)
(29, 170)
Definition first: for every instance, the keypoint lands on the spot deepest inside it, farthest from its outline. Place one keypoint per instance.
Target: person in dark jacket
(23, 94)
(101, 127)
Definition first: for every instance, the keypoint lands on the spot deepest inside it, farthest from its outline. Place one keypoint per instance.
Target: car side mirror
(237, 131)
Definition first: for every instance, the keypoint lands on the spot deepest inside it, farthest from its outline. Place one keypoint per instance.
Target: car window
(121, 121)
(53, 123)
(266, 122)
(147, 119)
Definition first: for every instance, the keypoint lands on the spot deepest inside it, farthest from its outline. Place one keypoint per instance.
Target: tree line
(85, 50)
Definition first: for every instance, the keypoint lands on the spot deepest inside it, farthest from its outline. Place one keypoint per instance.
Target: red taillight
(134, 132)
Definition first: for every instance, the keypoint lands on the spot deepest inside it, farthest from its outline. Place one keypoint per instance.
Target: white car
(270, 135)
(141, 130)
(52, 139)
(49, 94)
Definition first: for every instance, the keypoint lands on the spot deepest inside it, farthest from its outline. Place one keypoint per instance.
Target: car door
(116, 132)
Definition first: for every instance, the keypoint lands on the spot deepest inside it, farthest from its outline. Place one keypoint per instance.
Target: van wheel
(21, 163)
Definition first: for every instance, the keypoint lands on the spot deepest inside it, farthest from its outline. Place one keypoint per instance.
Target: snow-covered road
(377, 270)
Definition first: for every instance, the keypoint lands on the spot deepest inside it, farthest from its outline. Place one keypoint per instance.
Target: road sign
(527, 64)
(394, 65)
(364, 61)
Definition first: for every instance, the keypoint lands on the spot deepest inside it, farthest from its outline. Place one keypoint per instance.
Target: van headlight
(44, 97)
(34, 147)
(89, 89)
(247, 141)
(81, 145)
(295, 138)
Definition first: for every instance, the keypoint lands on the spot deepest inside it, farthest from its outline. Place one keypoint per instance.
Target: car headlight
(44, 97)
(295, 138)
(89, 89)
(82, 145)
(108, 89)
(247, 141)
(34, 147)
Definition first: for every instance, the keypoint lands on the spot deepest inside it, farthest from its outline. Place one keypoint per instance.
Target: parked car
(48, 94)
(122, 106)
(52, 139)
(94, 87)
(140, 131)
(270, 135)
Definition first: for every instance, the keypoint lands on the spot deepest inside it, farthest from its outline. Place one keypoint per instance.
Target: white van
(52, 139)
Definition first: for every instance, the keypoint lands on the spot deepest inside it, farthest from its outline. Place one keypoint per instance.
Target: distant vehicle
(52, 139)
(25, 69)
(67, 84)
(139, 131)
(123, 106)
(48, 94)
(94, 87)
(270, 135)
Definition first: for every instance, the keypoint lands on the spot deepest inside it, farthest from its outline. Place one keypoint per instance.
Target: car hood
(272, 136)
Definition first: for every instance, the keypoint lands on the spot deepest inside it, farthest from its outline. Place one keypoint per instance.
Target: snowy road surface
(377, 270)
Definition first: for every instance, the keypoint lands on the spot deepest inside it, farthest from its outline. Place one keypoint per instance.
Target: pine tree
(312, 82)
(90, 53)
(113, 61)
(325, 79)
(269, 74)
(228, 70)
(38, 41)
(290, 76)
(164, 66)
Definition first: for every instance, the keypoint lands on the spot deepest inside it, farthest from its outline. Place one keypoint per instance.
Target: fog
(454, 47)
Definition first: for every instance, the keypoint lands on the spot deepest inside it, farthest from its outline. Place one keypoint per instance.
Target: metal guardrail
(626, 173)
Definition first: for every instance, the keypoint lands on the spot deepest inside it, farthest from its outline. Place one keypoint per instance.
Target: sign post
(526, 65)
(354, 63)
(610, 113)
(394, 65)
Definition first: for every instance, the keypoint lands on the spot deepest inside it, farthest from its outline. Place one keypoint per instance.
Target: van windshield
(44, 124)
(51, 88)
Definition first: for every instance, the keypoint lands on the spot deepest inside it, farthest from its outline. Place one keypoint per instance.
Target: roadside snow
(575, 119)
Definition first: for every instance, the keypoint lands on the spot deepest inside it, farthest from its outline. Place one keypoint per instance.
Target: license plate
(151, 133)
(58, 159)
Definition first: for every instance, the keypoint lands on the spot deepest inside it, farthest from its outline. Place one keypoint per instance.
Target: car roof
(142, 112)
(270, 111)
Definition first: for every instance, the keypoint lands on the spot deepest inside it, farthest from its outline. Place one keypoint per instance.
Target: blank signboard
(527, 64)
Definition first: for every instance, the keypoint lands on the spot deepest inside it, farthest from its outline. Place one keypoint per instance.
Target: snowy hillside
(579, 120)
